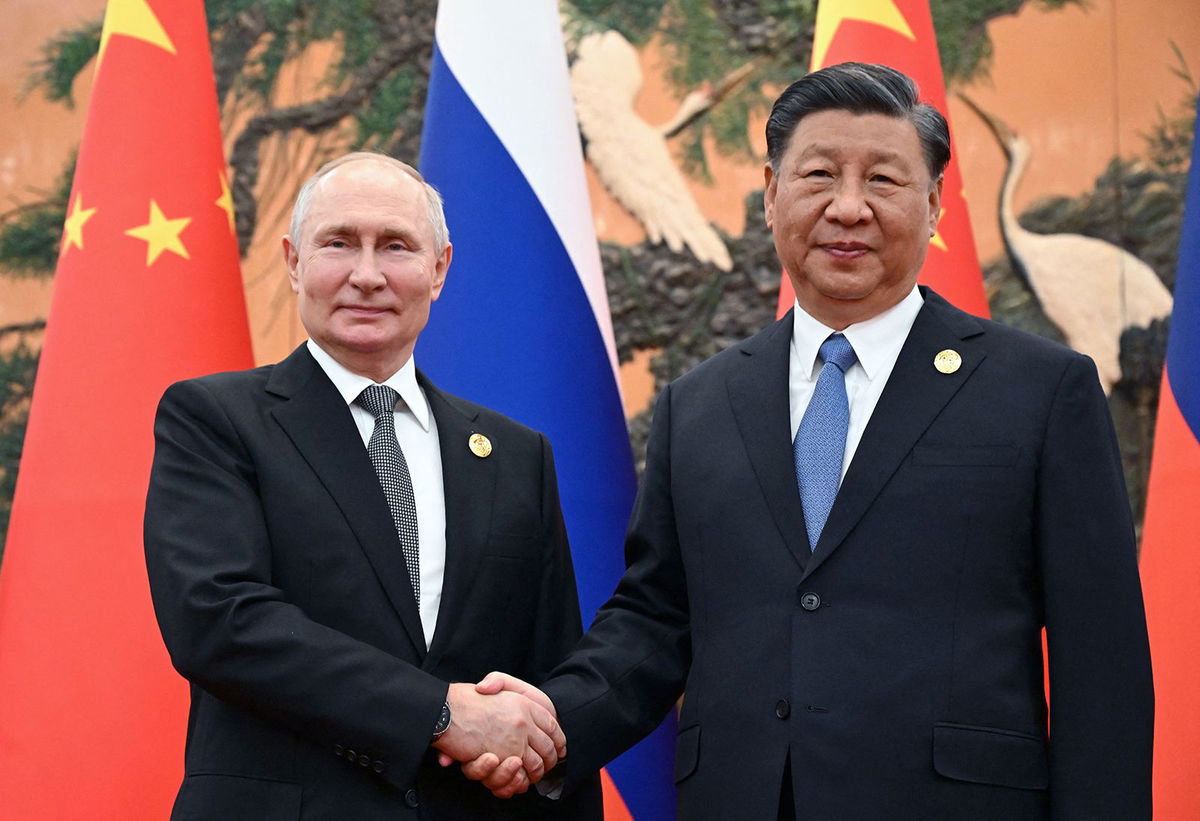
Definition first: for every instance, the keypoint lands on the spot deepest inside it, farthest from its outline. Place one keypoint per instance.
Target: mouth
(363, 310)
(845, 250)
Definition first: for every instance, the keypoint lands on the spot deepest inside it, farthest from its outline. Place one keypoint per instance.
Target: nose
(849, 203)
(367, 274)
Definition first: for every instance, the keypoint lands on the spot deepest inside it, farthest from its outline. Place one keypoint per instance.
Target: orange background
(1081, 84)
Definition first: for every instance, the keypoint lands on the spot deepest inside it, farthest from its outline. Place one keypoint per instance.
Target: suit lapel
(914, 395)
(316, 419)
(469, 487)
(758, 392)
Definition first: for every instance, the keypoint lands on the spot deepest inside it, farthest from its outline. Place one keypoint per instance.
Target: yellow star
(225, 201)
(161, 234)
(936, 240)
(133, 18)
(73, 227)
(831, 13)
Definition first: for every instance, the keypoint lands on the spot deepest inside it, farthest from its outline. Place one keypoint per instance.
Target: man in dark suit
(853, 527)
(332, 539)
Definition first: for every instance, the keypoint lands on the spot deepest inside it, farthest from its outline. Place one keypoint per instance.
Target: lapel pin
(947, 361)
(480, 445)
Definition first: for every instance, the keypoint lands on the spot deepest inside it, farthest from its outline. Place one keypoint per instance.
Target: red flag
(1170, 562)
(899, 33)
(148, 291)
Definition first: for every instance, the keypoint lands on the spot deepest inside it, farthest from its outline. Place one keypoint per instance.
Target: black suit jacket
(900, 663)
(281, 590)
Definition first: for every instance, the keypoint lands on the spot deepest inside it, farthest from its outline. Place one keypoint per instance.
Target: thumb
(494, 682)
(445, 760)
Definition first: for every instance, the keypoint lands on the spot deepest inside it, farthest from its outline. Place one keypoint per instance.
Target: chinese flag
(1170, 561)
(148, 291)
(899, 33)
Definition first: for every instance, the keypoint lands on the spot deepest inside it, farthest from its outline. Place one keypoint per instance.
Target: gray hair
(433, 200)
(860, 88)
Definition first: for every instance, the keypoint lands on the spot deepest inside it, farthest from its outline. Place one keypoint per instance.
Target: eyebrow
(831, 151)
(387, 233)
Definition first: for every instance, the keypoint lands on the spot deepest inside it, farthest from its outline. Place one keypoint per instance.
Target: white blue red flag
(1170, 562)
(523, 325)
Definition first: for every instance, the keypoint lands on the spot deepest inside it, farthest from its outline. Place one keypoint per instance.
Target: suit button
(810, 601)
(377, 766)
(364, 760)
(353, 756)
(782, 708)
(412, 799)
(339, 750)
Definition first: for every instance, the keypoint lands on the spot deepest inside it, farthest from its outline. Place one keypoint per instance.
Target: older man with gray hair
(334, 544)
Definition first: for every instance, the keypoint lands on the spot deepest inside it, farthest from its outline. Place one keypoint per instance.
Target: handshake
(503, 731)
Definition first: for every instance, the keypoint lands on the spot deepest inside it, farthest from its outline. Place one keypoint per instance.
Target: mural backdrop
(1072, 120)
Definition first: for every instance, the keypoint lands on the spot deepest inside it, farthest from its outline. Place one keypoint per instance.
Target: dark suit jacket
(900, 664)
(282, 594)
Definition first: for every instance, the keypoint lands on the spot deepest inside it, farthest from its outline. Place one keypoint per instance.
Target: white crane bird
(1091, 289)
(631, 156)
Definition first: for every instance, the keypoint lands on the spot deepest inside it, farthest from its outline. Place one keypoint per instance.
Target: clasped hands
(503, 731)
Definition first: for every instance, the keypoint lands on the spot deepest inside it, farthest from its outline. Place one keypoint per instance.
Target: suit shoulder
(484, 416)
(1026, 349)
(1004, 344)
(225, 384)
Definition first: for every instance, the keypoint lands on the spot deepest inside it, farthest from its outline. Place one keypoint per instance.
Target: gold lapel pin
(480, 445)
(947, 361)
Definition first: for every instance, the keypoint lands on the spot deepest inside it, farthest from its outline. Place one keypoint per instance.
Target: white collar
(350, 384)
(877, 341)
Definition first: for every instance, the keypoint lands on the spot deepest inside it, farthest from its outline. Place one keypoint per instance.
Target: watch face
(443, 722)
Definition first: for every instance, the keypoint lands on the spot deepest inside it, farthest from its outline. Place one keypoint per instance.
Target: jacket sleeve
(1101, 688)
(558, 625)
(630, 667)
(232, 631)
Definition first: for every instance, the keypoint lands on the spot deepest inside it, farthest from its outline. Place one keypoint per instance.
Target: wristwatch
(443, 722)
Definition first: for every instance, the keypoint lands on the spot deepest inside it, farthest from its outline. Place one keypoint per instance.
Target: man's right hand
(505, 777)
(494, 726)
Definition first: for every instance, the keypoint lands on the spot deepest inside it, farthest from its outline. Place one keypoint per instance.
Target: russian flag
(523, 324)
(1170, 559)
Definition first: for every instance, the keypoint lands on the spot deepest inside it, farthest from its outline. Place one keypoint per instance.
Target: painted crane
(1091, 289)
(630, 156)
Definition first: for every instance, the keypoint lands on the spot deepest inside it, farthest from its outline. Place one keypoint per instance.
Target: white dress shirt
(877, 342)
(417, 433)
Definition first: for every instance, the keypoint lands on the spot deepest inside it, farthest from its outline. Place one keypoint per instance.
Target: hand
(497, 682)
(504, 778)
(504, 725)
(508, 777)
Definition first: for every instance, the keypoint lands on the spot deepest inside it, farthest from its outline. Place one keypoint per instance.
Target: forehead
(366, 190)
(845, 135)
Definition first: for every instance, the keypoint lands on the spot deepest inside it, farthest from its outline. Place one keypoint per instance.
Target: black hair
(860, 88)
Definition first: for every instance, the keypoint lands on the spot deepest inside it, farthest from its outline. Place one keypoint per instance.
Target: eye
(817, 173)
(337, 243)
(883, 178)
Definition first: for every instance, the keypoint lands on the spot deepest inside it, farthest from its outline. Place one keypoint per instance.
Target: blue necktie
(820, 443)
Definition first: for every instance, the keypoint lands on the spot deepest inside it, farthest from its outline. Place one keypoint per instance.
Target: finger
(505, 775)
(519, 784)
(548, 724)
(544, 748)
(481, 767)
(535, 764)
(494, 682)
(445, 760)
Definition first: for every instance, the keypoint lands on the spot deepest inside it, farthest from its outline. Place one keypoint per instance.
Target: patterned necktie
(820, 443)
(390, 465)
